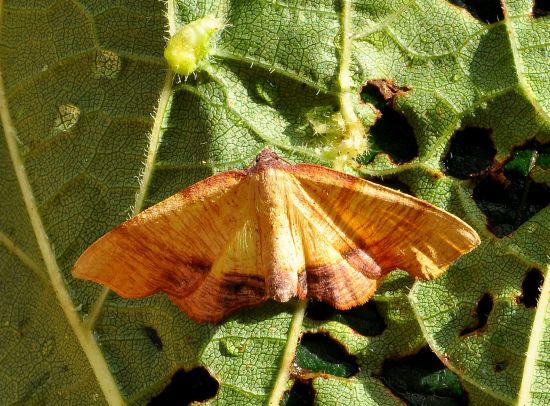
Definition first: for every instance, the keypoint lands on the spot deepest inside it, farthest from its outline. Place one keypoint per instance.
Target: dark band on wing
(339, 285)
(220, 295)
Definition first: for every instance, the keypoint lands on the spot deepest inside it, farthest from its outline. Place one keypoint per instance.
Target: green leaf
(95, 128)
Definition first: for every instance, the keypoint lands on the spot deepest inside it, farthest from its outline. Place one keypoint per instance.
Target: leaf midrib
(84, 336)
(83, 330)
(345, 83)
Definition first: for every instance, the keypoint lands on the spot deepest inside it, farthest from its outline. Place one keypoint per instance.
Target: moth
(275, 230)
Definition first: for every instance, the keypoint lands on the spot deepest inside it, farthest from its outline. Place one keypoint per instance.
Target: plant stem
(288, 354)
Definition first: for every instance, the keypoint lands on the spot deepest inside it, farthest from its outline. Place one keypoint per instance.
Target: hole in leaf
(489, 11)
(507, 206)
(508, 196)
(322, 354)
(301, 394)
(395, 184)
(471, 152)
(364, 319)
(381, 92)
(422, 379)
(319, 311)
(186, 387)
(541, 8)
(501, 366)
(152, 334)
(531, 287)
(526, 157)
(392, 133)
(483, 309)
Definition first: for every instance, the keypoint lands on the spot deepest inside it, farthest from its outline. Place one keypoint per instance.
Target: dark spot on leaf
(23, 326)
(471, 152)
(152, 334)
(531, 288)
(501, 366)
(508, 196)
(483, 309)
(320, 353)
(541, 8)
(42, 380)
(186, 387)
(489, 11)
(422, 379)
(364, 319)
(301, 394)
(392, 133)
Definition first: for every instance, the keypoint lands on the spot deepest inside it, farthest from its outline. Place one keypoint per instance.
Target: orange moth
(275, 230)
